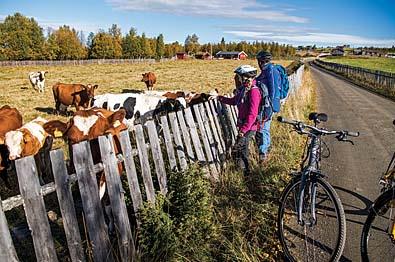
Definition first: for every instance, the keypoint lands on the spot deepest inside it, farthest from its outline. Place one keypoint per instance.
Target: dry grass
(191, 75)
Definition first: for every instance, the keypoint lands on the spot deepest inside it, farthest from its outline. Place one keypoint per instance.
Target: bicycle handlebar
(300, 127)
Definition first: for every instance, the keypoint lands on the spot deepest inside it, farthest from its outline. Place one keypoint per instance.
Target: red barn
(181, 55)
(232, 55)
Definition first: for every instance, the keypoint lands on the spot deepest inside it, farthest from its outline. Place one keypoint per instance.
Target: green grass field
(377, 63)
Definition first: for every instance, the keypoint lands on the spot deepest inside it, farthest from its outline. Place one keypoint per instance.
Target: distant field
(378, 63)
(192, 75)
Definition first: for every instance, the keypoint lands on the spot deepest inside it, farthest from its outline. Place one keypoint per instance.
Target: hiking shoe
(263, 157)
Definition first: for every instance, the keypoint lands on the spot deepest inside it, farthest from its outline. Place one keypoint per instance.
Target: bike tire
(385, 245)
(335, 215)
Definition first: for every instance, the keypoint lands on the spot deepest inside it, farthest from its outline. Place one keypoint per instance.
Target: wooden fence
(201, 134)
(378, 81)
(75, 62)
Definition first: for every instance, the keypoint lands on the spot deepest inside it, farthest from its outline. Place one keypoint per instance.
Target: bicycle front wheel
(378, 233)
(319, 239)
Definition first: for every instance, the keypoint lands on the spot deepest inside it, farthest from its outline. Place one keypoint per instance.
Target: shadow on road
(353, 209)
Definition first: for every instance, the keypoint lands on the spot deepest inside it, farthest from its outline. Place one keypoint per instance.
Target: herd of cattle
(95, 115)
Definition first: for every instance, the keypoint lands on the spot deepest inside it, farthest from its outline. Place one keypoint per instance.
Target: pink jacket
(248, 108)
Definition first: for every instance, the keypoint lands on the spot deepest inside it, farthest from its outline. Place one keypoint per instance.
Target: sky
(298, 22)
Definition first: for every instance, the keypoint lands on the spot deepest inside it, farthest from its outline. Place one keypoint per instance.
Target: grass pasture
(374, 63)
(242, 210)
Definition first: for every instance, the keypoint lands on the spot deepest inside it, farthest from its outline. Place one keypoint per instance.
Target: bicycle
(309, 206)
(378, 233)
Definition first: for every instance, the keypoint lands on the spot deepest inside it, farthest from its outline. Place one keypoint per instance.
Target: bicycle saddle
(318, 117)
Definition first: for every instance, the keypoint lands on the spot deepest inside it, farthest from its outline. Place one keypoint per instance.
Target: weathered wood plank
(157, 156)
(169, 143)
(177, 140)
(36, 214)
(213, 144)
(66, 204)
(226, 126)
(116, 194)
(195, 136)
(91, 204)
(217, 123)
(186, 136)
(131, 173)
(230, 118)
(144, 162)
(217, 139)
(8, 253)
(206, 143)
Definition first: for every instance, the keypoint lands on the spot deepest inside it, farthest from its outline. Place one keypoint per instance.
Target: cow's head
(149, 79)
(90, 90)
(41, 75)
(21, 143)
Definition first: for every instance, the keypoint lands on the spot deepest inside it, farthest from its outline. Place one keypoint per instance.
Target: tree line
(21, 38)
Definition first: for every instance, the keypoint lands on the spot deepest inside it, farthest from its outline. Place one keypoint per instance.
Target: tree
(192, 44)
(65, 43)
(102, 45)
(160, 47)
(131, 46)
(115, 32)
(223, 44)
(21, 38)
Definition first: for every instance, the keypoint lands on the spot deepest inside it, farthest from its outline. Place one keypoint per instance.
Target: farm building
(203, 55)
(181, 55)
(232, 55)
(337, 52)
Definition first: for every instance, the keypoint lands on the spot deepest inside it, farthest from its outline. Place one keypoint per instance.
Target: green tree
(102, 46)
(65, 43)
(160, 46)
(21, 38)
(115, 32)
(192, 44)
(223, 45)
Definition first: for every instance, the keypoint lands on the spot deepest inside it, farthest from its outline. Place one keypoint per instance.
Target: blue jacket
(271, 78)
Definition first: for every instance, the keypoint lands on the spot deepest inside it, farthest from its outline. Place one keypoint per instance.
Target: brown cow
(149, 79)
(31, 140)
(88, 125)
(10, 119)
(77, 95)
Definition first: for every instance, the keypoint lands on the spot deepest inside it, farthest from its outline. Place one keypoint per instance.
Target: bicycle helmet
(264, 56)
(246, 71)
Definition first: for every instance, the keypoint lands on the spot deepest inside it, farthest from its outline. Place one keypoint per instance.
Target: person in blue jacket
(271, 78)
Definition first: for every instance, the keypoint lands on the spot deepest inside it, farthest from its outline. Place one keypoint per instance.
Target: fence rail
(75, 62)
(202, 134)
(378, 81)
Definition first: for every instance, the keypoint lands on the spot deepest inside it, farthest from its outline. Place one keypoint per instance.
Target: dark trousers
(240, 151)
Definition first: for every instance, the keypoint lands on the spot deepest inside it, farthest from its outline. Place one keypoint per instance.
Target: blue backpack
(284, 85)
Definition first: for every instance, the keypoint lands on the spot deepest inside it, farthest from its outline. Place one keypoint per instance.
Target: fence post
(117, 198)
(178, 141)
(169, 143)
(157, 156)
(8, 253)
(66, 204)
(36, 215)
(194, 134)
(145, 167)
(131, 173)
(91, 204)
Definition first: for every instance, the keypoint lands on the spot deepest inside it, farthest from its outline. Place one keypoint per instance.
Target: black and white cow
(139, 107)
(37, 79)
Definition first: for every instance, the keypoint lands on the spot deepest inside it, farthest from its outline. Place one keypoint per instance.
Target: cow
(138, 106)
(89, 125)
(10, 119)
(149, 79)
(77, 95)
(37, 79)
(31, 140)
(192, 98)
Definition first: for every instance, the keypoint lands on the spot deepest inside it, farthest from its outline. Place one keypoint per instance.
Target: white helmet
(246, 71)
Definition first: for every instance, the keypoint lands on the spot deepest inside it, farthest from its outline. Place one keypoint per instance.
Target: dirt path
(355, 170)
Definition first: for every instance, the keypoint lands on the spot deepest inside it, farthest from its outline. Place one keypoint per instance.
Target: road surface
(355, 170)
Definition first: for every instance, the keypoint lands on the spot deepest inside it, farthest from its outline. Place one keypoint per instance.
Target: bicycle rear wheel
(320, 241)
(378, 235)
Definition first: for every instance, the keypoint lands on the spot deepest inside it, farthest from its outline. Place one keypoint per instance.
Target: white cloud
(311, 38)
(248, 9)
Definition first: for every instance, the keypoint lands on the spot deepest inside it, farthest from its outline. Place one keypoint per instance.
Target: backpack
(284, 82)
(266, 107)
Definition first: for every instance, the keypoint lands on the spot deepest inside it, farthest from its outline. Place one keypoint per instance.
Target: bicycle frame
(311, 171)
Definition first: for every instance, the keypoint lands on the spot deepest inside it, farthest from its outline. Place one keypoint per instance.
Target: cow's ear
(27, 138)
(143, 74)
(95, 86)
(55, 128)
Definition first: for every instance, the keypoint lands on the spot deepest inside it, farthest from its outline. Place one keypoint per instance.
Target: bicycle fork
(312, 192)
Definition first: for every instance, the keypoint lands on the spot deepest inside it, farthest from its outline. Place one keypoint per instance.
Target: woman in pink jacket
(247, 99)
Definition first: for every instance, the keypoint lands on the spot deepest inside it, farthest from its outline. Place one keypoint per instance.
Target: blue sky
(305, 22)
